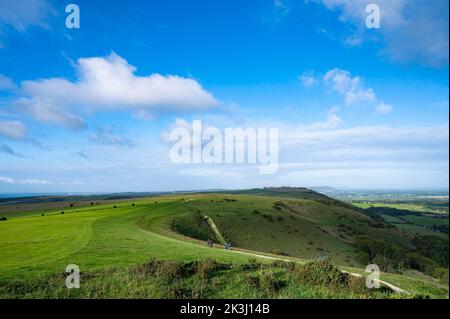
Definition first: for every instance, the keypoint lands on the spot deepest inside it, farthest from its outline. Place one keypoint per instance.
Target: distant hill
(291, 192)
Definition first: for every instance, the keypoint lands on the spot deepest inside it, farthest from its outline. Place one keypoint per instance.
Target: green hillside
(121, 237)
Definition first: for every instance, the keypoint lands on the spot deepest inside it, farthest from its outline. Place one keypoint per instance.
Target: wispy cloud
(24, 14)
(13, 130)
(413, 31)
(308, 79)
(111, 136)
(351, 87)
(82, 155)
(383, 108)
(7, 84)
(9, 180)
(353, 90)
(8, 150)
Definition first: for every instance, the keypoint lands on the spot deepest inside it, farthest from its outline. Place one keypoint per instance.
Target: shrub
(170, 270)
(357, 285)
(175, 291)
(269, 283)
(266, 281)
(148, 268)
(289, 266)
(62, 213)
(206, 267)
(253, 281)
(322, 273)
(3, 218)
(252, 264)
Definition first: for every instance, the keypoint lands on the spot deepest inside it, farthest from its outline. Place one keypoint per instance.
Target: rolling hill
(268, 225)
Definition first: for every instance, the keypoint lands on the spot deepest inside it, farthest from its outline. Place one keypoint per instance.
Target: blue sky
(86, 110)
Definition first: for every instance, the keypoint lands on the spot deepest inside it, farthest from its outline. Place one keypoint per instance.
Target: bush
(252, 264)
(322, 273)
(206, 267)
(175, 291)
(357, 285)
(168, 270)
(62, 213)
(149, 268)
(266, 282)
(3, 218)
(269, 283)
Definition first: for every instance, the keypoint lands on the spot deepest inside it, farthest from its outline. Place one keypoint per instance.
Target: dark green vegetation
(429, 239)
(204, 279)
(111, 241)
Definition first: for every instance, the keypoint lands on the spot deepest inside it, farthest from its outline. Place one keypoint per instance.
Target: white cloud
(353, 90)
(8, 180)
(109, 84)
(413, 31)
(6, 84)
(308, 79)
(47, 111)
(210, 172)
(13, 130)
(348, 86)
(332, 121)
(280, 5)
(383, 108)
(360, 144)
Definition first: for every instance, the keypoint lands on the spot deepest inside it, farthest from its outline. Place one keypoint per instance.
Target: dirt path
(215, 229)
(384, 283)
(220, 237)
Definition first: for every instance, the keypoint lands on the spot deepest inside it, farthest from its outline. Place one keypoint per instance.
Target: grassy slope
(93, 239)
(101, 237)
(299, 228)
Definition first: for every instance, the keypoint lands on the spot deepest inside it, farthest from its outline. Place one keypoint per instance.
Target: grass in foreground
(204, 279)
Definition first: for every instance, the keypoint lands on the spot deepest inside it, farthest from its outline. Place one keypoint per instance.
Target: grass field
(420, 204)
(408, 206)
(104, 239)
